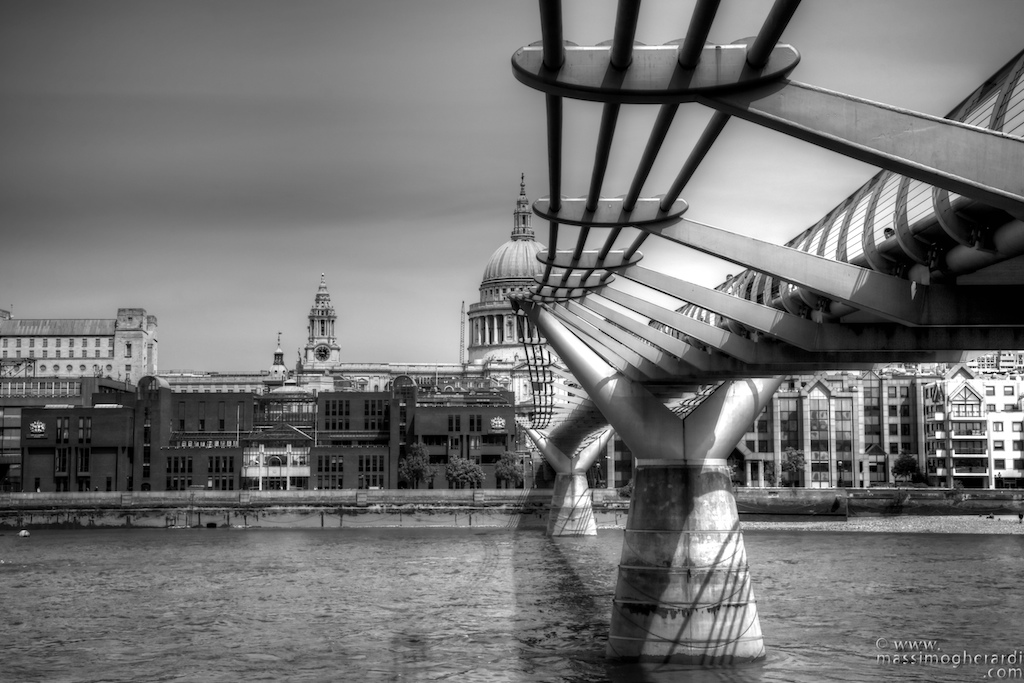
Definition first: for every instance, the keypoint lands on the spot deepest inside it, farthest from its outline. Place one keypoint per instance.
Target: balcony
(967, 433)
(970, 470)
(969, 454)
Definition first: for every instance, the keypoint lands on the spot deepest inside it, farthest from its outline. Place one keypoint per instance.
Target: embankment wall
(452, 508)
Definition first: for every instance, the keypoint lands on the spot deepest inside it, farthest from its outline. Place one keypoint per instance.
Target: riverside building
(123, 348)
(287, 438)
(67, 362)
(974, 430)
(848, 427)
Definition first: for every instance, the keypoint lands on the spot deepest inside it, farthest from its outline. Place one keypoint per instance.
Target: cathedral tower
(322, 351)
(495, 332)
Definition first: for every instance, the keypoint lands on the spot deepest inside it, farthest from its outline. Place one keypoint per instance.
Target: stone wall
(512, 509)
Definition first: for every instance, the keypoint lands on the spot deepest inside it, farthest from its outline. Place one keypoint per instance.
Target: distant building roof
(85, 327)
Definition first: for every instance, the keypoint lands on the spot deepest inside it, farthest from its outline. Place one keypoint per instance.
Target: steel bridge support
(572, 506)
(683, 593)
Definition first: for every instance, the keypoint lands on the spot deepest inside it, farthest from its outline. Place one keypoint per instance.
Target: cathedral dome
(514, 260)
(517, 258)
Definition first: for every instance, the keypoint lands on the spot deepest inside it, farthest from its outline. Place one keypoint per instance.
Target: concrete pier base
(572, 509)
(683, 593)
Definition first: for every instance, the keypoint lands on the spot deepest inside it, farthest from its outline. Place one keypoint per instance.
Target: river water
(478, 605)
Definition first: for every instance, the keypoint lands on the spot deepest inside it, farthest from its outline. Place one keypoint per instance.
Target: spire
(321, 323)
(278, 369)
(323, 297)
(522, 228)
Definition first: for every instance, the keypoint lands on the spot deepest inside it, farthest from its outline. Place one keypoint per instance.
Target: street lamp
(839, 466)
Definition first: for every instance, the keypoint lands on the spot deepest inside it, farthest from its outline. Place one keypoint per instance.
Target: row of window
(57, 354)
(476, 423)
(200, 443)
(976, 447)
(57, 341)
(997, 463)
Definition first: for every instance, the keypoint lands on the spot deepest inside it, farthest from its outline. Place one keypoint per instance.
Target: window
(71, 343)
(371, 471)
(997, 426)
(1008, 390)
(999, 445)
(999, 464)
(374, 414)
(990, 390)
(127, 349)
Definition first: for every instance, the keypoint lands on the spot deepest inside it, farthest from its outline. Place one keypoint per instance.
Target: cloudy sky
(208, 160)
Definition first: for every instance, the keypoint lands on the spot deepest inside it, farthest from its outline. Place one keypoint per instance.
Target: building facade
(20, 394)
(848, 429)
(974, 430)
(123, 348)
(152, 438)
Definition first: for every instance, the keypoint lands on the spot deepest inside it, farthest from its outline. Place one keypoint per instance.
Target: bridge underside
(918, 265)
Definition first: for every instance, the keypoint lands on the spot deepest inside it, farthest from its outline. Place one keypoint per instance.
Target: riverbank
(893, 510)
(923, 524)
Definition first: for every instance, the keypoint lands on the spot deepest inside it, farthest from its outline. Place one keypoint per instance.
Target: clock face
(322, 352)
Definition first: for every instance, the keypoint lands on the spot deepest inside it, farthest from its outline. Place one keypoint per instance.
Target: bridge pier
(572, 509)
(683, 593)
(572, 506)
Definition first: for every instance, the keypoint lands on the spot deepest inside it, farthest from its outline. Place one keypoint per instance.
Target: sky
(208, 160)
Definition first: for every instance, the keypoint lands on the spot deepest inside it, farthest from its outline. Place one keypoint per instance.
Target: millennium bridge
(923, 263)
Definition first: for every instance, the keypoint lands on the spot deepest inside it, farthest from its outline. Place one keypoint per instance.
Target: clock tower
(322, 352)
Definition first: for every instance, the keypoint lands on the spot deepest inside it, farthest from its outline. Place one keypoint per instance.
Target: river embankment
(898, 524)
(896, 509)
